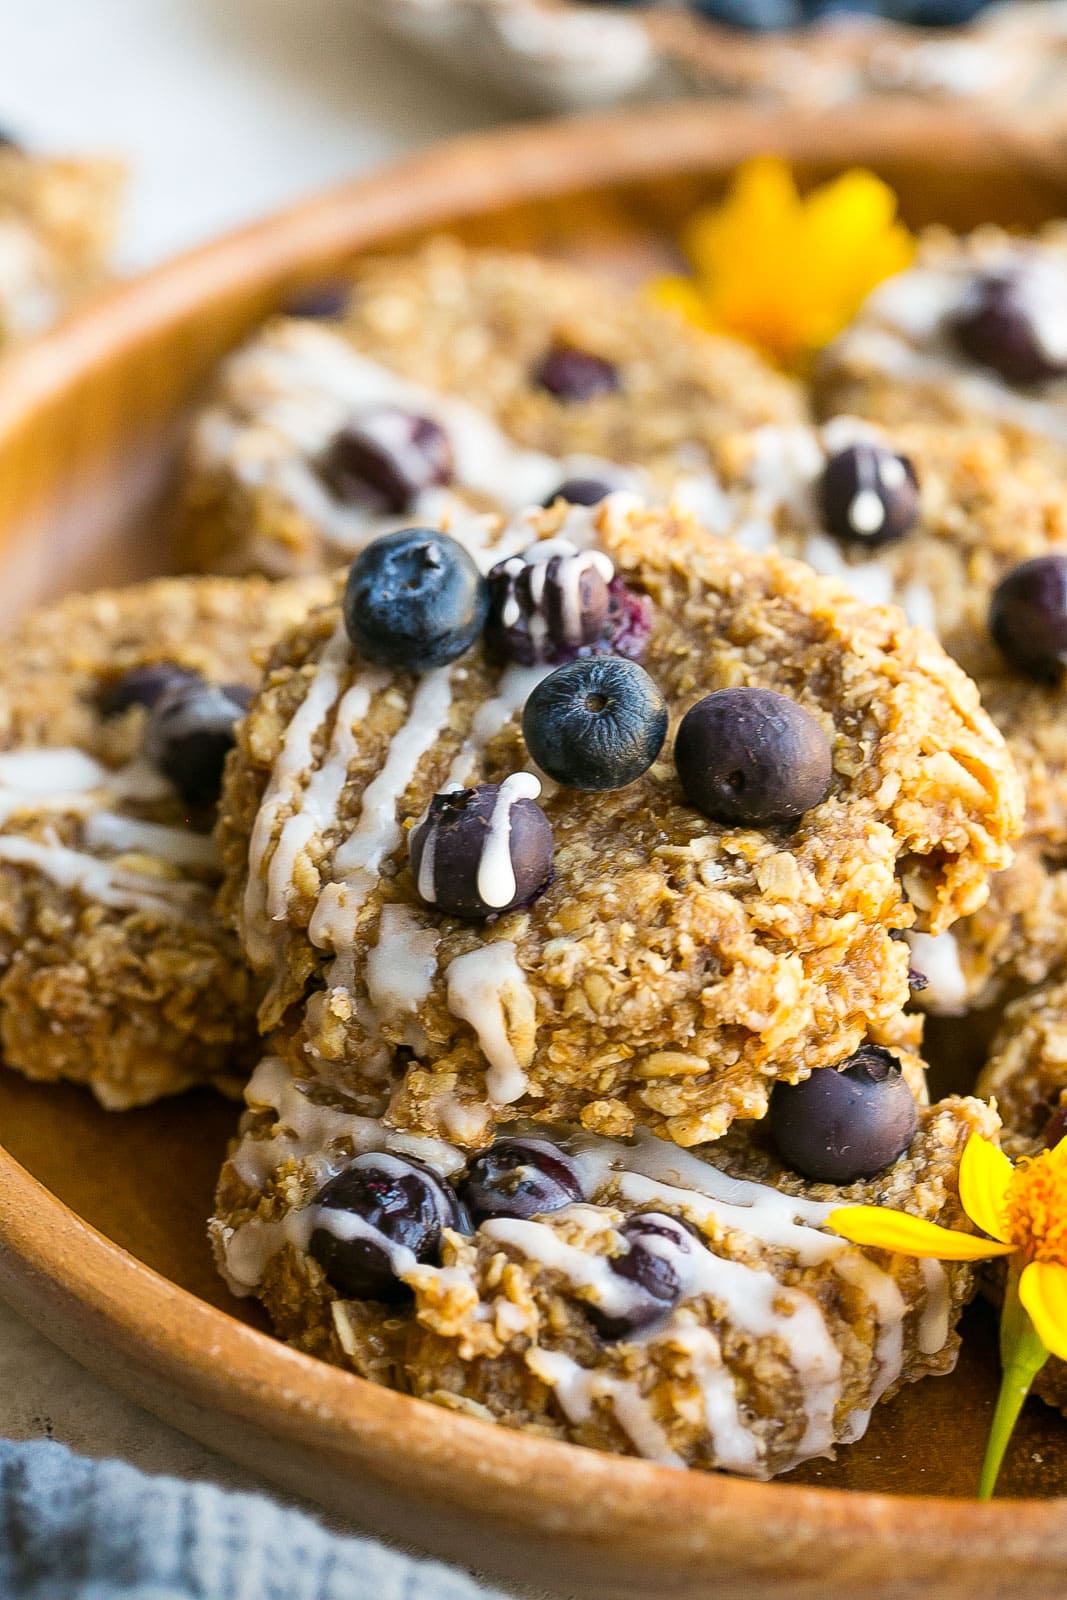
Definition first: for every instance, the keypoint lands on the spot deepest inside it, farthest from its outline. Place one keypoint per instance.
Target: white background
(224, 109)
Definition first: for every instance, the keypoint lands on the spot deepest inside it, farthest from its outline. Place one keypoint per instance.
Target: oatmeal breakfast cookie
(57, 225)
(934, 517)
(116, 710)
(646, 963)
(974, 332)
(456, 381)
(689, 1307)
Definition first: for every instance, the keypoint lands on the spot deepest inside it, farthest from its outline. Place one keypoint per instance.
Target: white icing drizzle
(106, 830)
(735, 1448)
(934, 1323)
(488, 989)
(402, 965)
(937, 957)
(294, 758)
(496, 873)
(105, 881)
(288, 392)
(377, 834)
(579, 1389)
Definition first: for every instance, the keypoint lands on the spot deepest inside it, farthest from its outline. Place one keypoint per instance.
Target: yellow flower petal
(1043, 1292)
(985, 1175)
(910, 1236)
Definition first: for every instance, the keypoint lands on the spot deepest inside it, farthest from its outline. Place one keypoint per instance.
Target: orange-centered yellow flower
(1023, 1210)
(787, 273)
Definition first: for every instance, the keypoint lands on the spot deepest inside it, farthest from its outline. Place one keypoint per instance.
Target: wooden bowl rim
(52, 1262)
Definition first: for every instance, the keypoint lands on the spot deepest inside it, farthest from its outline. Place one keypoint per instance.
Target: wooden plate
(102, 1217)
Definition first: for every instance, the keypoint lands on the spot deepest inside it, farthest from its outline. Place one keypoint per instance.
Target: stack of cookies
(599, 774)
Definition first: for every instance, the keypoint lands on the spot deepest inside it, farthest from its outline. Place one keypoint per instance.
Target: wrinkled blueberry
(572, 374)
(869, 495)
(654, 1265)
(1028, 617)
(1015, 321)
(581, 492)
(391, 1208)
(414, 600)
(843, 1124)
(478, 852)
(384, 460)
(753, 757)
(143, 686)
(917, 981)
(519, 1177)
(595, 724)
(555, 602)
(189, 733)
(323, 302)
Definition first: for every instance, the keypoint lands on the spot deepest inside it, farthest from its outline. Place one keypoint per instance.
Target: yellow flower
(1023, 1210)
(784, 273)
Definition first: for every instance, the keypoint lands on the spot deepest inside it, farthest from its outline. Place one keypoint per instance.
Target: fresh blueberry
(383, 460)
(654, 1266)
(189, 733)
(1028, 617)
(752, 757)
(1015, 321)
(762, 16)
(571, 374)
(869, 495)
(323, 302)
(391, 1210)
(143, 686)
(844, 1123)
(520, 1177)
(414, 600)
(594, 724)
(581, 492)
(479, 852)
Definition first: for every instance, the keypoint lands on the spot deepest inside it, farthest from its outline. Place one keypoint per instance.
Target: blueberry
(323, 302)
(478, 852)
(550, 604)
(595, 724)
(396, 1204)
(869, 495)
(1028, 617)
(843, 1124)
(752, 757)
(143, 686)
(1015, 321)
(917, 981)
(414, 600)
(581, 492)
(571, 374)
(190, 731)
(522, 1178)
(655, 1267)
(384, 460)
(761, 16)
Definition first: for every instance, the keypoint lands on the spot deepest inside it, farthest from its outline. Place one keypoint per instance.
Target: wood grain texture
(101, 1218)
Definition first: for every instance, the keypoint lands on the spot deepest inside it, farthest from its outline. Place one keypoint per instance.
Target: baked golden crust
(147, 996)
(472, 325)
(777, 1351)
(988, 501)
(57, 226)
(674, 969)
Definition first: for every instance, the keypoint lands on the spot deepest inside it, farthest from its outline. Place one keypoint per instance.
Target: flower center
(1036, 1204)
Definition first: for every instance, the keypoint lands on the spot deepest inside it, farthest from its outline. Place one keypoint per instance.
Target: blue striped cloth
(72, 1529)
